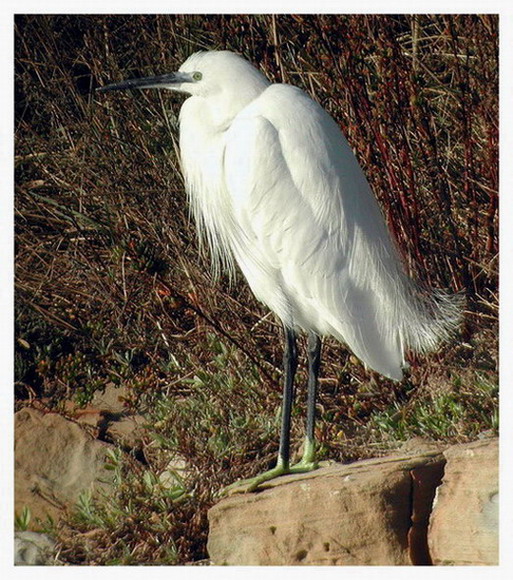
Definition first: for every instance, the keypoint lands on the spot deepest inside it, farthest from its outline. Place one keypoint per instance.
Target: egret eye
(197, 76)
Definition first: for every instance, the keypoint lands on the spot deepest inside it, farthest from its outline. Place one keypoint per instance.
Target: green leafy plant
(22, 520)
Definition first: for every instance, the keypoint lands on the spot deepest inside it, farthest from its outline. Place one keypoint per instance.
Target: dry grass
(109, 285)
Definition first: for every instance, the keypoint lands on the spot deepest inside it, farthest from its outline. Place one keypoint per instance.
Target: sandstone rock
(109, 401)
(357, 514)
(174, 474)
(464, 523)
(55, 459)
(111, 398)
(108, 414)
(127, 432)
(33, 549)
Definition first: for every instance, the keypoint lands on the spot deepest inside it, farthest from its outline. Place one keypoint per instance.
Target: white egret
(275, 187)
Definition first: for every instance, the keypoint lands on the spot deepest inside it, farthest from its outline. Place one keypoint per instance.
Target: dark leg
(282, 465)
(314, 363)
(308, 461)
(289, 367)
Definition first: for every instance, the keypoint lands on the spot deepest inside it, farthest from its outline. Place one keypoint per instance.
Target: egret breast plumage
(275, 188)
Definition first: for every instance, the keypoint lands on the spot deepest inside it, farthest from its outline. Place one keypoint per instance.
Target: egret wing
(309, 236)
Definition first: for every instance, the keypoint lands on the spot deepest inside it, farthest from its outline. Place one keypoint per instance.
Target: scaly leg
(283, 463)
(308, 461)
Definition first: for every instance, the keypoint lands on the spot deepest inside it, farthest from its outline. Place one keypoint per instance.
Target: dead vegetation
(110, 287)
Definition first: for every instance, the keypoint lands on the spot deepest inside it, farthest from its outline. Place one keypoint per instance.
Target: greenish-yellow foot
(307, 464)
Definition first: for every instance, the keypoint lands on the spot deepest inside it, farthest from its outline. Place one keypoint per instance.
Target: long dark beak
(167, 81)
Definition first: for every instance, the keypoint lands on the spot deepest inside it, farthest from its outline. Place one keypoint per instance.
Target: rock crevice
(373, 512)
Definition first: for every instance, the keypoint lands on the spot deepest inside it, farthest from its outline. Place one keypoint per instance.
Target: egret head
(203, 74)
